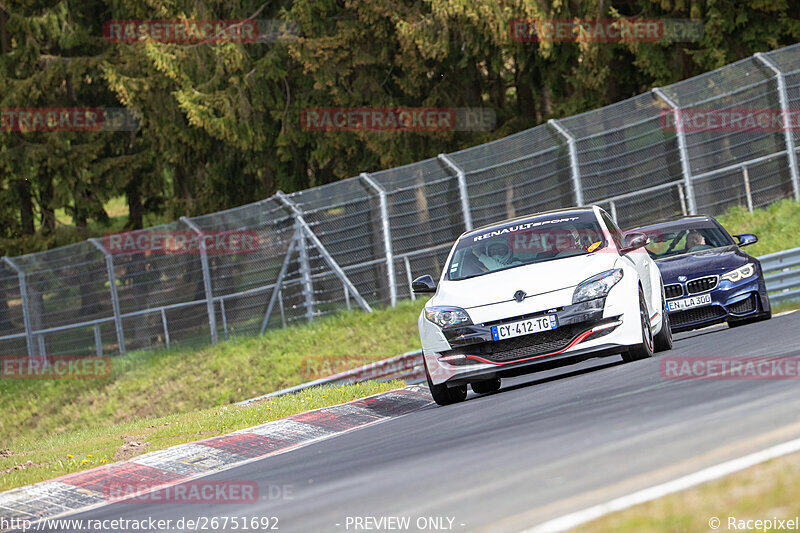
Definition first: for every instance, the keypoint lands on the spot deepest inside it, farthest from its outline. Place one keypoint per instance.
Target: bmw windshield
(524, 242)
(669, 241)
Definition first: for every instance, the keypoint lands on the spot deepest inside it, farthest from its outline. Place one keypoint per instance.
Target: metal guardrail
(407, 366)
(782, 275)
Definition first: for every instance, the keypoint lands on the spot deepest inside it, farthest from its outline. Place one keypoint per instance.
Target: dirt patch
(132, 446)
(6, 453)
(29, 464)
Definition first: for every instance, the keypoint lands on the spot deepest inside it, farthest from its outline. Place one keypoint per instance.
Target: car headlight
(597, 286)
(447, 317)
(740, 273)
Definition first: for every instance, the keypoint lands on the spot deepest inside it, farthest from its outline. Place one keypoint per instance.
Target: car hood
(535, 279)
(702, 263)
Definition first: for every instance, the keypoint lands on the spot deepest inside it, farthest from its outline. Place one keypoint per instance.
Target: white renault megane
(537, 291)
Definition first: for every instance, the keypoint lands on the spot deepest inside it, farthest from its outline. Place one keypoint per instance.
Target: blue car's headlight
(597, 286)
(740, 273)
(446, 316)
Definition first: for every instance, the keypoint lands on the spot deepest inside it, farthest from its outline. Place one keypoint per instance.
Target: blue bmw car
(707, 277)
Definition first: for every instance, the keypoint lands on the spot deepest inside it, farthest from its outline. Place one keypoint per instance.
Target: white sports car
(517, 295)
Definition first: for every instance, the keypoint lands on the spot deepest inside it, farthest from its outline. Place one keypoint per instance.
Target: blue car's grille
(698, 314)
(674, 290)
(702, 284)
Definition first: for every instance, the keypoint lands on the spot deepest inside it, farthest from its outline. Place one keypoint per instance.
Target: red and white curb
(163, 468)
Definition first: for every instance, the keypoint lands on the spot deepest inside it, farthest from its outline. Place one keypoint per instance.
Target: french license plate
(524, 327)
(688, 303)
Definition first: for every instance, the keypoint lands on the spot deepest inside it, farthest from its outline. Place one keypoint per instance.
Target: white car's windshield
(524, 242)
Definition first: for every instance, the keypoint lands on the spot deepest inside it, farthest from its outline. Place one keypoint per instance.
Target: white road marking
(572, 520)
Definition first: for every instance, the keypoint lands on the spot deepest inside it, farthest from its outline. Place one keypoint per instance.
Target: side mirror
(634, 241)
(746, 239)
(423, 284)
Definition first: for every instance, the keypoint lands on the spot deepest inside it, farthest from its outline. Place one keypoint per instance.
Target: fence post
(98, 340)
(577, 185)
(748, 193)
(682, 149)
(387, 236)
(112, 282)
(166, 329)
(23, 293)
(276, 291)
(408, 277)
(305, 272)
(787, 129)
(303, 225)
(212, 313)
(462, 189)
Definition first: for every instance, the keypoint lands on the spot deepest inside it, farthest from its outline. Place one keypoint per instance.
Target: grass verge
(148, 385)
(766, 491)
(775, 225)
(38, 459)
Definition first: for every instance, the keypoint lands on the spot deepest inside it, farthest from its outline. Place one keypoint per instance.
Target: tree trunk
(25, 205)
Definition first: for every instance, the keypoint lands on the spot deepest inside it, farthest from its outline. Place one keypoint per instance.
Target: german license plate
(524, 327)
(688, 303)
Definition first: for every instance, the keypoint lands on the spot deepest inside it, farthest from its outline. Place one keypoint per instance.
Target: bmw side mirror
(634, 241)
(746, 239)
(423, 284)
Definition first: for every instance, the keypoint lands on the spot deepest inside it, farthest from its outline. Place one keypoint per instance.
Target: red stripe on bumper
(579, 339)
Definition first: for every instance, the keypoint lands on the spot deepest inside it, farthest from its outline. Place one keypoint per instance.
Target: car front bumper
(740, 300)
(585, 330)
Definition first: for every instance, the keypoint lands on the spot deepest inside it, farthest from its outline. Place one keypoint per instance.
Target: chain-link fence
(359, 242)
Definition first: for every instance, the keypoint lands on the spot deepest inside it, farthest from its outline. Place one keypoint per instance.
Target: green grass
(152, 384)
(766, 491)
(777, 226)
(44, 457)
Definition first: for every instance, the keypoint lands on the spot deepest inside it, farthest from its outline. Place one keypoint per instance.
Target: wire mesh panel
(788, 61)
(425, 213)
(517, 175)
(12, 322)
(242, 277)
(624, 148)
(63, 284)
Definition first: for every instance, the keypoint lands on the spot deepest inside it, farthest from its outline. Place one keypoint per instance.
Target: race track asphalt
(545, 445)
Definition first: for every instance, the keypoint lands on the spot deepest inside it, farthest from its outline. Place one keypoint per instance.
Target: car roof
(501, 223)
(686, 222)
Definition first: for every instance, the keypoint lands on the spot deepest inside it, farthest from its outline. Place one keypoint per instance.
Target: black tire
(663, 341)
(486, 386)
(444, 395)
(644, 350)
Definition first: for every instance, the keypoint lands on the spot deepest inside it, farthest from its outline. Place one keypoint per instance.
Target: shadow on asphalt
(548, 379)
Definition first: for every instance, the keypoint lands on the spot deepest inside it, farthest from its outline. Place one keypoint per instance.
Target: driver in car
(694, 240)
(497, 255)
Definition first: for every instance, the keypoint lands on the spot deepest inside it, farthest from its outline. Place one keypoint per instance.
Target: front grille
(702, 284)
(745, 306)
(673, 291)
(534, 344)
(699, 314)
